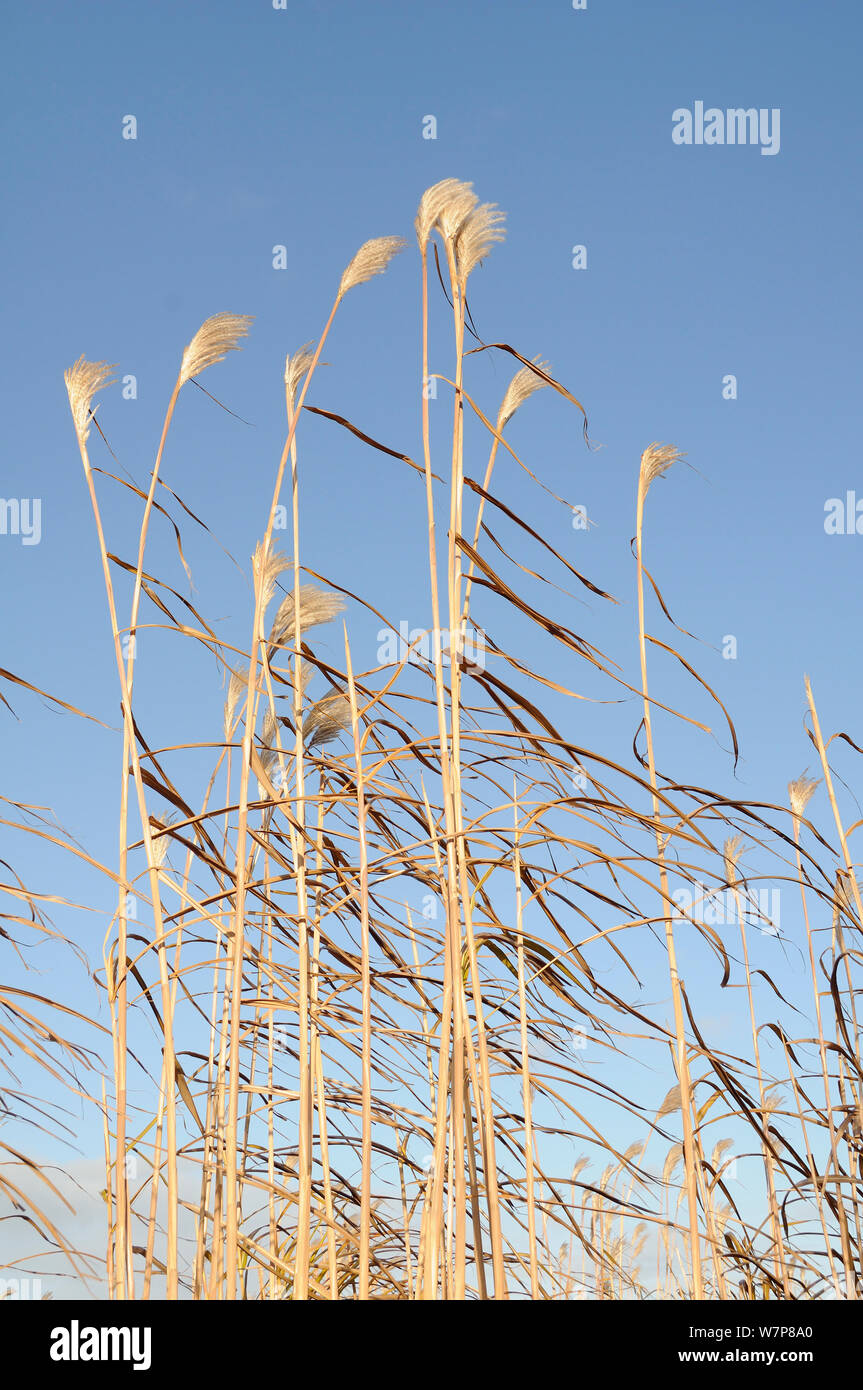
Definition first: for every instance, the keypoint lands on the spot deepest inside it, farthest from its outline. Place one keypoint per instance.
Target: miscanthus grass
(392, 945)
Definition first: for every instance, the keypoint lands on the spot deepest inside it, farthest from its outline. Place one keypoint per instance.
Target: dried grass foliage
(378, 1100)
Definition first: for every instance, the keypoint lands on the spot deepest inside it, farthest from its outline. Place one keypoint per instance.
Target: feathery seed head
(522, 386)
(236, 685)
(372, 258)
(476, 236)
(672, 1102)
(327, 719)
(731, 851)
(296, 367)
(672, 1158)
(216, 337)
(307, 671)
(269, 743)
(266, 571)
(455, 210)
(732, 848)
(160, 839)
(316, 606)
(800, 792)
(845, 890)
(270, 730)
(655, 461)
(450, 200)
(83, 380)
(268, 757)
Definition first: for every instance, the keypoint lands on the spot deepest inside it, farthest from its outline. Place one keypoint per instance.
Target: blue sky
(259, 128)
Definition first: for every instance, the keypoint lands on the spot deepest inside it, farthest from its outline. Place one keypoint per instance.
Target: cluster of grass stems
(353, 1097)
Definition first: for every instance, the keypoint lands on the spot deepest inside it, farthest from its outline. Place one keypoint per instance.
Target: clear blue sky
(303, 128)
